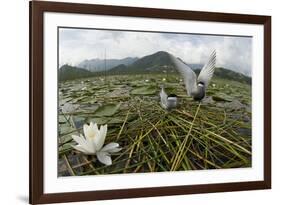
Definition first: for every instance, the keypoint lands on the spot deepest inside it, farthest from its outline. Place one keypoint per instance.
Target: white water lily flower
(93, 141)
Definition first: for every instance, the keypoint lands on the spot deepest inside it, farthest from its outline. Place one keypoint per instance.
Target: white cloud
(75, 45)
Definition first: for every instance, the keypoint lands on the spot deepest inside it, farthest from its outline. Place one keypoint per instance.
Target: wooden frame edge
(267, 102)
(36, 102)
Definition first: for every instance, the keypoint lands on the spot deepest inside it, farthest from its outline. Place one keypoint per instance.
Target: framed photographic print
(138, 102)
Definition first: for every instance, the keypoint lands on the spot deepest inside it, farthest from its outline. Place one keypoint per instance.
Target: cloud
(76, 45)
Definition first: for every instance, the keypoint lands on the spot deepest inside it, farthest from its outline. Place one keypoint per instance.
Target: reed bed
(195, 136)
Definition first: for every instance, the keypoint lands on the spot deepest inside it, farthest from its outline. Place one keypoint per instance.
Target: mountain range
(96, 64)
(158, 62)
(67, 72)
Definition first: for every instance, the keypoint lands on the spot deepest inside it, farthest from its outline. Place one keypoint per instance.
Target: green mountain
(231, 75)
(158, 62)
(98, 65)
(67, 72)
(155, 63)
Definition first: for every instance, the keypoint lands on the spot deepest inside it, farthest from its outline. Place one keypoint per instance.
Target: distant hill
(158, 62)
(155, 63)
(96, 65)
(67, 72)
(231, 75)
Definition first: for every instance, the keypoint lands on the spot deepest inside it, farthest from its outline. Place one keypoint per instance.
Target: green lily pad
(66, 138)
(116, 121)
(117, 93)
(222, 97)
(88, 108)
(79, 99)
(65, 100)
(98, 120)
(107, 110)
(65, 128)
(62, 119)
(145, 90)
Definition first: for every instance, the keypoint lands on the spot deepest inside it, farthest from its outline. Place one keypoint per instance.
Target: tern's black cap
(172, 95)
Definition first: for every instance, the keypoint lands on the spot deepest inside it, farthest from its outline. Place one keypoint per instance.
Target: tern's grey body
(200, 94)
(196, 86)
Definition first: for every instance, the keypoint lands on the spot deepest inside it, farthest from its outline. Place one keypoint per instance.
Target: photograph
(133, 101)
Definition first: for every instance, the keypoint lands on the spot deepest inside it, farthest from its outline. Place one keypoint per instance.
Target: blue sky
(76, 45)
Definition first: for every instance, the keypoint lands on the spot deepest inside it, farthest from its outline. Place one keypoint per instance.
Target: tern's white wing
(164, 98)
(187, 73)
(208, 70)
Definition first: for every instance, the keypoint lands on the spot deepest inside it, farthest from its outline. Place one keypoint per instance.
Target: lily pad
(88, 108)
(117, 93)
(107, 110)
(79, 99)
(65, 128)
(78, 121)
(116, 121)
(62, 119)
(65, 100)
(145, 90)
(66, 138)
(222, 97)
(98, 120)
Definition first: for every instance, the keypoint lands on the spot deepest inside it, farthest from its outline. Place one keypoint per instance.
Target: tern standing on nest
(195, 86)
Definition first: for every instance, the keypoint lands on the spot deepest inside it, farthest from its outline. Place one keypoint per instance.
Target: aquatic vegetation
(213, 134)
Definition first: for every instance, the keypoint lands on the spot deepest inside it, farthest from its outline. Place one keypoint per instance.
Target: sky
(76, 45)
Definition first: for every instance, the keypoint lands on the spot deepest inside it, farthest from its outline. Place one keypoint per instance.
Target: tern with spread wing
(195, 86)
